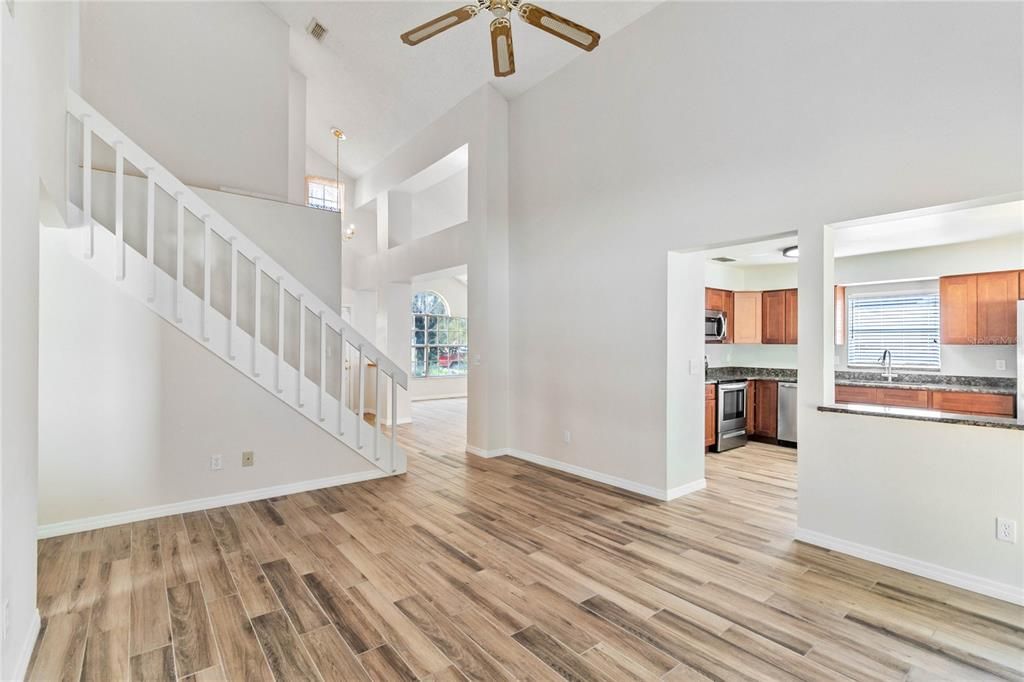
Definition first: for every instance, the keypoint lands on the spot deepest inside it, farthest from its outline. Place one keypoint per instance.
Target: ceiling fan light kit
(502, 53)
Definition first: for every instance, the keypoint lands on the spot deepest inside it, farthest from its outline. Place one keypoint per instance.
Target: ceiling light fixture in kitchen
(791, 252)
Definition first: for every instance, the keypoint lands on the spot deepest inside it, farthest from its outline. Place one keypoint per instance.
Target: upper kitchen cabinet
(980, 309)
(746, 323)
(791, 316)
(997, 307)
(714, 299)
(1020, 286)
(958, 309)
(773, 317)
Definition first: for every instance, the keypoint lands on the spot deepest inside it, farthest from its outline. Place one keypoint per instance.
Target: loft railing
(93, 123)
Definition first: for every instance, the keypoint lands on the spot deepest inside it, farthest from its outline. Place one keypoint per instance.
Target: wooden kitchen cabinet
(903, 397)
(864, 395)
(997, 294)
(751, 391)
(958, 309)
(773, 317)
(791, 316)
(714, 299)
(766, 409)
(1020, 286)
(988, 404)
(710, 415)
(746, 325)
(840, 298)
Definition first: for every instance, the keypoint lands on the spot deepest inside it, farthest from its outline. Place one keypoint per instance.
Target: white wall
(37, 64)
(455, 292)
(296, 137)
(131, 409)
(799, 115)
(441, 205)
(481, 121)
(203, 87)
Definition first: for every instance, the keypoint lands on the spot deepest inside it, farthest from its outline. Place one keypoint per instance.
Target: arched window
(439, 341)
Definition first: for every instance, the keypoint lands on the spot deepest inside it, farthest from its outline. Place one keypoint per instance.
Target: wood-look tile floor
(498, 569)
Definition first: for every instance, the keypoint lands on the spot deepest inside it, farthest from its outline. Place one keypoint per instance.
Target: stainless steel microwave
(714, 326)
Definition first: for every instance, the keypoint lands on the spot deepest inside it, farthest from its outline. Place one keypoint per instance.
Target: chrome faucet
(886, 361)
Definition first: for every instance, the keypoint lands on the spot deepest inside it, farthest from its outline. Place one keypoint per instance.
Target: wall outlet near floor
(216, 463)
(1006, 530)
(247, 458)
(1001, 365)
(566, 437)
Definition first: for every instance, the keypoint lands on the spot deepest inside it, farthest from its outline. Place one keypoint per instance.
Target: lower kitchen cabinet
(710, 414)
(989, 404)
(766, 408)
(961, 402)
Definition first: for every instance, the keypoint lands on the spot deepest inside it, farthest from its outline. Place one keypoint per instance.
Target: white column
(257, 315)
(119, 208)
(302, 349)
(234, 299)
(87, 185)
(207, 265)
(280, 334)
(151, 231)
(179, 288)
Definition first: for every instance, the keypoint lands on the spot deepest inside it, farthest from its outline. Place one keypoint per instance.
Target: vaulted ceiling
(363, 79)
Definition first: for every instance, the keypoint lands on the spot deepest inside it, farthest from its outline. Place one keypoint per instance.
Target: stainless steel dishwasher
(787, 414)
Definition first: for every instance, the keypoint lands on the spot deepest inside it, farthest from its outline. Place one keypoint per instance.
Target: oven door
(731, 429)
(714, 325)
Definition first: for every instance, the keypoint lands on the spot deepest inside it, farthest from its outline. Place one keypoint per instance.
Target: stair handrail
(97, 124)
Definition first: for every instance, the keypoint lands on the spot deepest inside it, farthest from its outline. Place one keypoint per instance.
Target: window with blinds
(905, 324)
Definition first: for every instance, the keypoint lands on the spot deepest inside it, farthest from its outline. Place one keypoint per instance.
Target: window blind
(905, 324)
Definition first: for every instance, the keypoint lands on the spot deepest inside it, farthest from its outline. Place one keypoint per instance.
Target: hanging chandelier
(347, 233)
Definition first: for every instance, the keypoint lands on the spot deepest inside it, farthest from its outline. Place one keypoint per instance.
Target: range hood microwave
(714, 326)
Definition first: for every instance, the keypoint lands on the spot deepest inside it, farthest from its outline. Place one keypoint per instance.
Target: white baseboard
(441, 396)
(686, 489)
(967, 581)
(614, 481)
(21, 670)
(480, 452)
(103, 521)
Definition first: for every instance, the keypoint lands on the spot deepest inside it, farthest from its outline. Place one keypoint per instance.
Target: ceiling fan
(501, 29)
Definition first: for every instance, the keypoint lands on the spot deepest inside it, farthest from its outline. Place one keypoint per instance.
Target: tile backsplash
(979, 361)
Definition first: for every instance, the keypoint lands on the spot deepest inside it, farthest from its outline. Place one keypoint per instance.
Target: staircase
(258, 355)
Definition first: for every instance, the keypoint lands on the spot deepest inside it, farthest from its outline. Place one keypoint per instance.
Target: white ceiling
(363, 79)
(919, 231)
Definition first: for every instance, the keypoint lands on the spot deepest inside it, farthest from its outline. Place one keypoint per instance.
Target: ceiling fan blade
(441, 23)
(501, 47)
(569, 31)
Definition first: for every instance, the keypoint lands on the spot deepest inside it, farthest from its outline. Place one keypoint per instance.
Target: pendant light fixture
(346, 233)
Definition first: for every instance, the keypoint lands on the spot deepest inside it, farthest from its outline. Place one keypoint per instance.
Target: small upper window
(324, 193)
(429, 303)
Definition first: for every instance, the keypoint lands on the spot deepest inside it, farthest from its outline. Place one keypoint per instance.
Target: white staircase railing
(139, 275)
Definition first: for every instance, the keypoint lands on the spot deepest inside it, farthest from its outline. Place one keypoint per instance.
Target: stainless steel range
(731, 427)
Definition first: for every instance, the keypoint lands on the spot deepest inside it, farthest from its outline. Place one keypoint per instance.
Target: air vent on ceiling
(317, 30)
(724, 259)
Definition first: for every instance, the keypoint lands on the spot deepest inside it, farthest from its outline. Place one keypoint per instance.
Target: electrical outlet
(216, 463)
(247, 458)
(1001, 365)
(1006, 530)
(567, 437)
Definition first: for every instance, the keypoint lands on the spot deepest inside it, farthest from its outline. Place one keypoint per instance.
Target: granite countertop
(924, 415)
(925, 382)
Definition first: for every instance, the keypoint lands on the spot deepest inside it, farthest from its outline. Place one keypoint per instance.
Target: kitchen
(925, 326)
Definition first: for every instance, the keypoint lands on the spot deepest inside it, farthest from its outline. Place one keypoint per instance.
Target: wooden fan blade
(569, 31)
(501, 47)
(441, 23)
